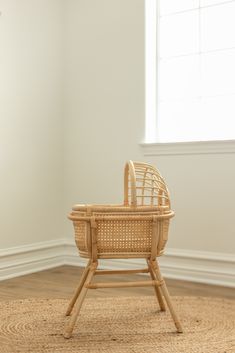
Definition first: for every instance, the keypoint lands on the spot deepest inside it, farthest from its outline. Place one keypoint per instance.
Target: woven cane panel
(124, 236)
(80, 229)
(163, 235)
(121, 213)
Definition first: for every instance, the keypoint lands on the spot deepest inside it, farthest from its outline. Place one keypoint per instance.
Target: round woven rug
(118, 325)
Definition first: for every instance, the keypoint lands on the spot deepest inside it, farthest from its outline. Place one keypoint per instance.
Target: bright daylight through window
(190, 70)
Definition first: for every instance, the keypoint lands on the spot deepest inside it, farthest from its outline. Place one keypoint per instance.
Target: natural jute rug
(118, 325)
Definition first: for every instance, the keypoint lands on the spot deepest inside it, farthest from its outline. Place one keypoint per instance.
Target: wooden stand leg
(78, 290)
(166, 296)
(69, 329)
(156, 288)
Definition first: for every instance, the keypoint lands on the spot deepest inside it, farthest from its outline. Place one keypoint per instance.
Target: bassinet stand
(156, 221)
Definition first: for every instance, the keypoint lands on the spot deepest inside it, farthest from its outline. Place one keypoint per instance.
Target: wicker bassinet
(126, 231)
(136, 229)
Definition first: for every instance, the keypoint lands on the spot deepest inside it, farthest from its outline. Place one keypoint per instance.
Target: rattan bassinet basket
(126, 231)
(136, 229)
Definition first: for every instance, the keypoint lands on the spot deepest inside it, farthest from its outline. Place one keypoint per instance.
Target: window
(190, 70)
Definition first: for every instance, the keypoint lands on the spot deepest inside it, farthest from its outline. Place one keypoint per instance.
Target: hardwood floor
(60, 282)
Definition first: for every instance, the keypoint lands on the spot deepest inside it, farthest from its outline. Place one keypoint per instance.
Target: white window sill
(183, 148)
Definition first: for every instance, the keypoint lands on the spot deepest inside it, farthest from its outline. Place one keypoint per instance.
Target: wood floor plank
(60, 282)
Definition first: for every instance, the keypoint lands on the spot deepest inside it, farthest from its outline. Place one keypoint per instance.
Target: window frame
(151, 145)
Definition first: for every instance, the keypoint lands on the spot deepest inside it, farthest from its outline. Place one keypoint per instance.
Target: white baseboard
(199, 266)
(189, 265)
(31, 258)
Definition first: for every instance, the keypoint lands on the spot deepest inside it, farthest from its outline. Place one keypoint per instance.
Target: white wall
(202, 191)
(31, 178)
